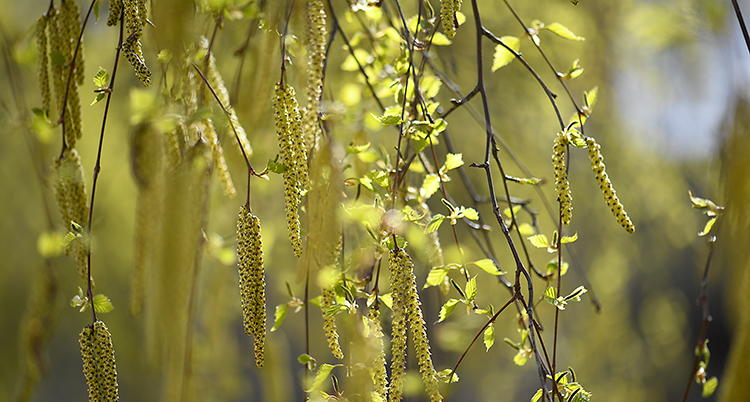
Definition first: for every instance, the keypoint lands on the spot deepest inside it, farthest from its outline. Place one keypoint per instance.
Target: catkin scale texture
(329, 322)
(562, 186)
(293, 156)
(317, 36)
(70, 193)
(99, 367)
(43, 61)
(379, 376)
(252, 280)
(448, 9)
(610, 195)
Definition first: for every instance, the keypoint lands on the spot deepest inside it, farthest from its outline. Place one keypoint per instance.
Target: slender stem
(98, 168)
(741, 21)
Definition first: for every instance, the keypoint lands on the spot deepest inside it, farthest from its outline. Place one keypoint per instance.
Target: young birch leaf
(101, 78)
(569, 239)
(489, 337)
(562, 31)
(576, 294)
(436, 276)
(502, 55)
(538, 395)
(708, 227)
(488, 266)
(320, 377)
(539, 241)
(102, 304)
(470, 213)
(471, 289)
(710, 386)
(452, 161)
(440, 39)
(387, 299)
(550, 295)
(447, 309)
(430, 185)
(434, 224)
(278, 318)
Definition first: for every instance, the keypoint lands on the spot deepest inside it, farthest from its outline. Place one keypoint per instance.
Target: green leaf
(434, 223)
(96, 10)
(538, 395)
(488, 266)
(562, 31)
(470, 213)
(275, 167)
(436, 277)
(526, 229)
(489, 337)
(320, 377)
(164, 56)
(387, 299)
(356, 149)
(521, 357)
(102, 304)
(471, 289)
(448, 375)
(452, 161)
(101, 78)
(447, 309)
(576, 294)
(539, 241)
(708, 227)
(98, 98)
(430, 185)
(502, 55)
(574, 71)
(440, 39)
(709, 387)
(569, 239)
(589, 98)
(550, 295)
(279, 316)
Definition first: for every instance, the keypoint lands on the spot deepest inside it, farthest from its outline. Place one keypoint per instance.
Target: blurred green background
(671, 76)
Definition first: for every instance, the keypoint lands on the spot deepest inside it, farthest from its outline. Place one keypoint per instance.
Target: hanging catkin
(448, 9)
(99, 368)
(252, 280)
(610, 195)
(317, 36)
(562, 186)
(70, 193)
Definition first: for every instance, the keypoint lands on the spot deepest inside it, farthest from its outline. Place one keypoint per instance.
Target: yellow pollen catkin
(562, 186)
(43, 61)
(329, 322)
(317, 36)
(252, 280)
(448, 9)
(610, 195)
(379, 376)
(70, 193)
(99, 367)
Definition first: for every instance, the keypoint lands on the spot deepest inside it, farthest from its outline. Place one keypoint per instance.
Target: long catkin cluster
(317, 36)
(448, 9)
(379, 376)
(327, 299)
(610, 195)
(562, 186)
(70, 193)
(99, 368)
(134, 15)
(217, 83)
(57, 33)
(407, 308)
(293, 156)
(252, 280)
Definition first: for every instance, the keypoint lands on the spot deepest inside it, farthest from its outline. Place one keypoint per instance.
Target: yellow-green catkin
(56, 43)
(399, 315)
(448, 9)
(115, 8)
(293, 156)
(562, 186)
(135, 19)
(217, 152)
(379, 376)
(43, 61)
(64, 28)
(217, 83)
(327, 300)
(99, 368)
(252, 280)
(317, 36)
(71, 14)
(610, 195)
(70, 193)
(417, 326)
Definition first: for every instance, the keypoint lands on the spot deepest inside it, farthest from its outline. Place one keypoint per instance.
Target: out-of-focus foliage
(638, 347)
